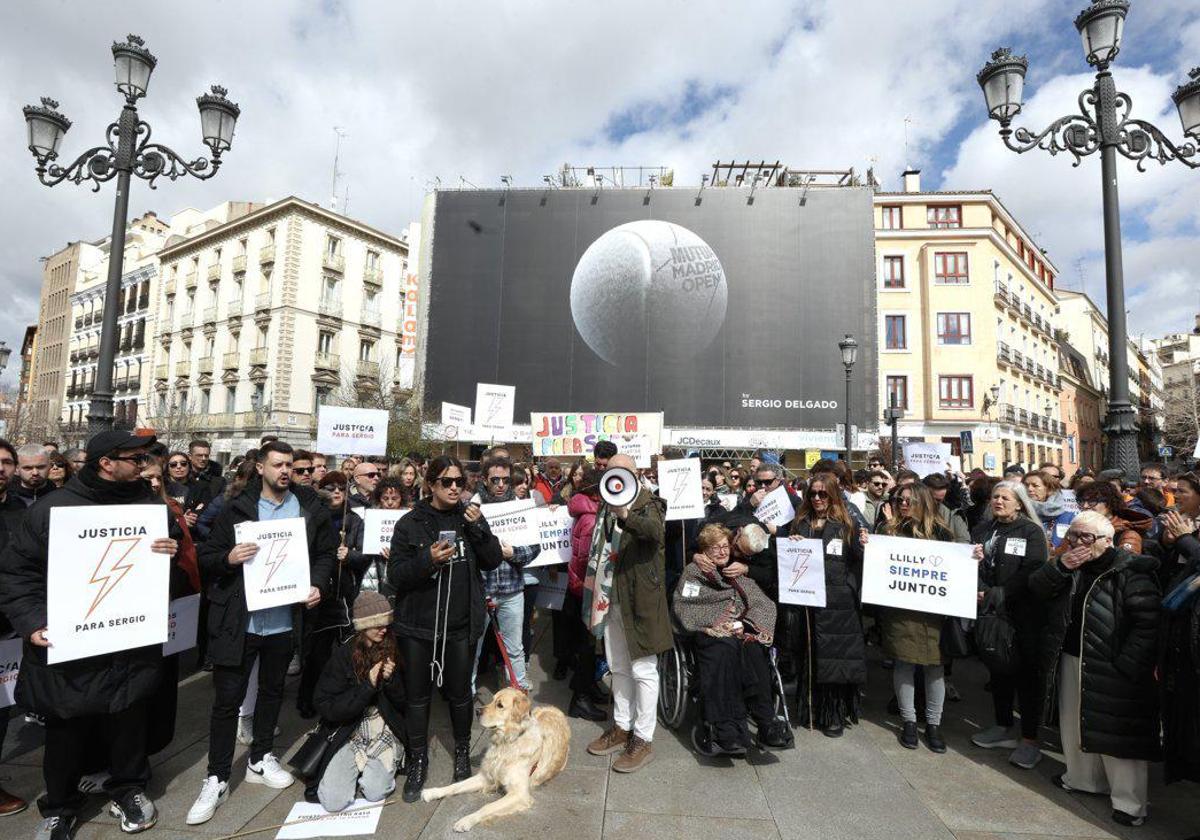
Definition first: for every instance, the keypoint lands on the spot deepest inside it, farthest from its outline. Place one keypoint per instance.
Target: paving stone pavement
(861, 786)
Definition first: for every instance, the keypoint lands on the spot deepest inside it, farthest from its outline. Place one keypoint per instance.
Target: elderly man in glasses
(365, 478)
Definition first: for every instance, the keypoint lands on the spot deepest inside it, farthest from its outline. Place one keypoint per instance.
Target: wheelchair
(679, 693)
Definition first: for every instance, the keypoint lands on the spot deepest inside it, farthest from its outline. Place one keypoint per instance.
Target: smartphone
(447, 537)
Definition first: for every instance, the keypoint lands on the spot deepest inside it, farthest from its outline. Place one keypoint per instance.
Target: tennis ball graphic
(648, 286)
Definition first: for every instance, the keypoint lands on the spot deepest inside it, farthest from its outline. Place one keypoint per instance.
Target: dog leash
(512, 675)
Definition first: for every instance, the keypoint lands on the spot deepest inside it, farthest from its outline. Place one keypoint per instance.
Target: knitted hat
(371, 610)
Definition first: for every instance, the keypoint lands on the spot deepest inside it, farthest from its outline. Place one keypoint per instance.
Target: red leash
(512, 675)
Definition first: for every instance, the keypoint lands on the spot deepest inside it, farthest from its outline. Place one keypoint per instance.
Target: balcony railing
(214, 272)
(79, 322)
(183, 368)
(262, 301)
(367, 370)
(230, 361)
(93, 352)
(169, 286)
(233, 308)
(160, 372)
(190, 281)
(371, 318)
(239, 263)
(266, 255)
(328, 361)
(258, 356)
(373, 276)
(331, 306)
(210, 314)
(206, 365)
(1002, 353)
(334, 262)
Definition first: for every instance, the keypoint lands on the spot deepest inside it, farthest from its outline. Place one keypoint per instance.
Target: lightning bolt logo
(678, 487)
(494, 406)
(276, 555)
(111, 569)
(799, 569)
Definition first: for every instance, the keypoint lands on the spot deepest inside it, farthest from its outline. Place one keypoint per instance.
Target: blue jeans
(510, 615)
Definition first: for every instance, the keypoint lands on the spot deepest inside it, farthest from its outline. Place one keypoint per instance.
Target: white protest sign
(10, 666)
(106, 590)
(728, 501)
(923, 575)
(278, 574)
(1196, 451)
(494, 405)
(378, 526)
(776, 508)
(307, 820)
(927, 458)
(637, 447)
(514, 522)
(455, 415)
(354, 431)
(1070, 503)
(183, 621)
(679, 485)
(552, 588)
(555, 529)
(801, 572)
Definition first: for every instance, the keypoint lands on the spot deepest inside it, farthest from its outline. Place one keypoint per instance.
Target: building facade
(966, 309)
(28, 369)
(268, 315)
(1081, 407)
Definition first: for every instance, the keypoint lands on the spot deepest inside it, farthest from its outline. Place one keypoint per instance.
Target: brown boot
(637, 755)
(613, 740)
(10, 804)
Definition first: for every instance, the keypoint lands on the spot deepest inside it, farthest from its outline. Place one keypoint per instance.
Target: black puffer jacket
(836, 649)
(341, 698)
(416, 580)
(1012, 551)
(94, 685)
(1119, 703)
(1181, 669)
(227, 614)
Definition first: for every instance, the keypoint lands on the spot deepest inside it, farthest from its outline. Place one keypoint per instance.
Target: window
(333, 246)
(325, 342)
(372, 260)
(262, 337)
(264, 281)
(205, 401)
(896, 332)
(231, 398)
(950, 268)
(893, 272)
(944, 216)
(241, 246)
(954, 327)
(897, 391)
(258, 399)
(320, 397)
(270, 237)
(892, 217)
(955, 392)
(329, 289)
(365, 350)
(371, 301)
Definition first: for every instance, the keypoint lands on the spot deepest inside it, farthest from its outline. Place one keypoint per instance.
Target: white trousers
(1124, 779)
(634, 683)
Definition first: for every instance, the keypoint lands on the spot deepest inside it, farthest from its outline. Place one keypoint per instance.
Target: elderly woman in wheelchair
(731, 622)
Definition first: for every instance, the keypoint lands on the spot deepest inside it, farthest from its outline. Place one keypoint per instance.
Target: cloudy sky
(454, 90)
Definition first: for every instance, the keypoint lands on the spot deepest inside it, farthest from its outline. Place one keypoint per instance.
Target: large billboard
(717, 308)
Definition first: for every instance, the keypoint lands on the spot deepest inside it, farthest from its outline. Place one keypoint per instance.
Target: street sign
(1166, 452)
(966, 443)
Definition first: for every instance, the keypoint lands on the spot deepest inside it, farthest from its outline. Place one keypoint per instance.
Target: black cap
(105, 442)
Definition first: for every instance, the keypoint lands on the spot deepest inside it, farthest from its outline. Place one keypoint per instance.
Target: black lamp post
(1103, 125)
(849, 348)
(127, 151)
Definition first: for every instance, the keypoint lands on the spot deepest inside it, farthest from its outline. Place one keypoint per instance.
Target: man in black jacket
(97, 696)
(11, 509)
(236, 637)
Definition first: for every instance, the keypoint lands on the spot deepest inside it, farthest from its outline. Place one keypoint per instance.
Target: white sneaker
(268, 772)
(294, 665)
(212, 794)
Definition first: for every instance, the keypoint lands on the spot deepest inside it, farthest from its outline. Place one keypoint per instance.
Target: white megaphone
(618, 486)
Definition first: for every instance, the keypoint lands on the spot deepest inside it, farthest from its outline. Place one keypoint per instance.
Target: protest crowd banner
(278, 574)
(928, 458)
(801, 572)
(455, 415)
(515, 522)
(922, 575)
(575, 433)
(679, 484)
(106, 591)
(554, 525)
(494, 405)
(776, 508)
(378, 527)
(357, 431)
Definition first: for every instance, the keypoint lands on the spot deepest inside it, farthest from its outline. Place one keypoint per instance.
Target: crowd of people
(1088, 617)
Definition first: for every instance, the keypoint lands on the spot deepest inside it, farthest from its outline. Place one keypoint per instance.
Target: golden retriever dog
(529, 746)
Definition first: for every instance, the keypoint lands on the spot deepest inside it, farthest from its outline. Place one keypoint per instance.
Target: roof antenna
(337, 150)
(907, 120)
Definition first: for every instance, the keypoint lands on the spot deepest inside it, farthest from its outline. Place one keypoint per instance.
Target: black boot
(908, 735)
(933, 738)
(418, 766)
(584, 707)
(462, 761)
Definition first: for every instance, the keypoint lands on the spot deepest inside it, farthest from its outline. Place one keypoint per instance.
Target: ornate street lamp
(1103, 125)
(127, 151)
(849, 348)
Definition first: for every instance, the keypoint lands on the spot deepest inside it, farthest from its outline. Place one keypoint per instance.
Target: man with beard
(94, 697)
(33, 472)
(237, 637)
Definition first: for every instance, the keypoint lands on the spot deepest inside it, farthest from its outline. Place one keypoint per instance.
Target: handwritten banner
(278, 575)
(575, 434)
(106, 591)
(801, 572)
(352, 431)
(554, 525)
(923, 575)
(776, 508)
(378, 526)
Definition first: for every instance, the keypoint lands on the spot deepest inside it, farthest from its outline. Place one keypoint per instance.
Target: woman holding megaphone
(437, 553)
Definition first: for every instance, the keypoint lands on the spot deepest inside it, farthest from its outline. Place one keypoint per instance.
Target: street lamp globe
(133, 64)
(5, 352)
(218, 116)
(1100, 27)
(46, 128)
(1003, 83)
(1187, 100)
(849, 348)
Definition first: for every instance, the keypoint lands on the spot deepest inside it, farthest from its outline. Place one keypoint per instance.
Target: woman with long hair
(572, 481)
(913, 638)
(179, 470)
(360, 698)
(1010, 546)
(409, 475)
(830, 651)
(390, 494)
(438, 553)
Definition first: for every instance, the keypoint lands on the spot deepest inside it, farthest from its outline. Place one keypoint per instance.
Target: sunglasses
(879, 484)
(766, 482)
(141, 459)
(818, 494)
(369, 475)
(304, 470)
(447, 483)
(174, 464)
(904, 501)
(498, 479)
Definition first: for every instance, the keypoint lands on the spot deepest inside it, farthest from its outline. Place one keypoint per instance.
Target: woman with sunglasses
(179, 470)
(1099, 655)
(435, 562)
(1010, 547)
(60, 469)
(914, 638)
(831, 655)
